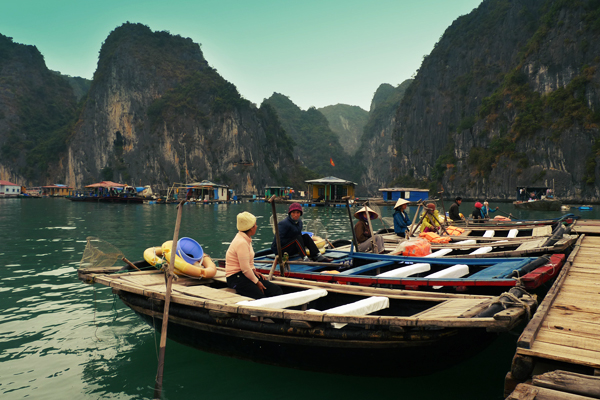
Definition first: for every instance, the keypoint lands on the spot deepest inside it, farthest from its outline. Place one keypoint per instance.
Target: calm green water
(61, 338)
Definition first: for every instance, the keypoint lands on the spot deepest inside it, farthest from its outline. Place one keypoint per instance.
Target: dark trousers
(299, 245)
(245, 287)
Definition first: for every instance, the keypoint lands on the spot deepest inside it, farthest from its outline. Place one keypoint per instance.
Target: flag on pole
(331, 162)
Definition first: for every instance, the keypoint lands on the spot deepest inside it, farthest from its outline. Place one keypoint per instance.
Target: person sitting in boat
(477, 214)
(239, 263)
(366, 242)
(430, 219)
(453, 212)
(401, 219)
(486, 211)
(293, 241)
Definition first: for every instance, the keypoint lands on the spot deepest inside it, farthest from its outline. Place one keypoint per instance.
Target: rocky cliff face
(347, 122)
(36, 107)
(158, 113)
(376, 146)
(509, 96)
(315, 145)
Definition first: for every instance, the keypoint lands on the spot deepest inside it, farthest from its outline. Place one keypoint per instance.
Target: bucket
(189, 250)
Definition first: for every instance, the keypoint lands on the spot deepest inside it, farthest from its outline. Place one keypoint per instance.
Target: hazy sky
(317, 53)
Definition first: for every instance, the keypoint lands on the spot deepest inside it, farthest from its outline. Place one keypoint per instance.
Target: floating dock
(558, 353)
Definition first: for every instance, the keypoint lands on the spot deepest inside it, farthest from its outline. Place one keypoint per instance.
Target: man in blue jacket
(292, 240)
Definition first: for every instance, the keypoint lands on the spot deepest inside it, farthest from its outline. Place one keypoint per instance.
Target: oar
(277, 239)
(163, 332)
(351, 224)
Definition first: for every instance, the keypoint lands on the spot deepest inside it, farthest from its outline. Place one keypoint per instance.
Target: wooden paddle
(443, 206)
(163, 332)
(410, 232)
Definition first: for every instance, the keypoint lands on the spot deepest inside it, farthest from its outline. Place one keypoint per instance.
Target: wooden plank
(579, 328)
(531, 244)
(545, 230)
(450, 308)
(527, 338)
(569, 382)
(525, 391)
(573, 342)
(574, 315)
(563, 354)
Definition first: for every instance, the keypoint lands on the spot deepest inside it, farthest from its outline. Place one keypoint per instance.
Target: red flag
(331, 162)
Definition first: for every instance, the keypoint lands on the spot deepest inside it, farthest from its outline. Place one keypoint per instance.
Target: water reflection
(62, 339)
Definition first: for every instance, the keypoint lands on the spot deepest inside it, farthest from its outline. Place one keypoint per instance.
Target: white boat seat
(513, 233)
(455, 271)
(360, 307)
(482, 250)
(406, 271)
(470, 241)
(286, 300)
(489, 234)
(439, 253)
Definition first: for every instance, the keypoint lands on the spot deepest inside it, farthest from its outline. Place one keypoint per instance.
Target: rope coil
(508, 300)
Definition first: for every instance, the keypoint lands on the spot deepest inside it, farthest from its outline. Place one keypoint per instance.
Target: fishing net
(99, 254)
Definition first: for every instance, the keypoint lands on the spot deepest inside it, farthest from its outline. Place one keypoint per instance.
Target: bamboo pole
(277, 238)
(351, 224)
(410, 230)
(373, 243)
(163, 332)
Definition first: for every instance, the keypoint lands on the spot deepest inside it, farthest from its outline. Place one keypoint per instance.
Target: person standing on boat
(486, 211)
(401, 219)
(293, 241)
(366, 243)
(239, 263)
(430, 219)
(477, 213)
(453, 212)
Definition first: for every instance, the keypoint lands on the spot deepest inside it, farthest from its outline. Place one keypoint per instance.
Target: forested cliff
(509, 96)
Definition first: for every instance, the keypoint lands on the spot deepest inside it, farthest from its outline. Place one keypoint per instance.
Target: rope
(507, 300)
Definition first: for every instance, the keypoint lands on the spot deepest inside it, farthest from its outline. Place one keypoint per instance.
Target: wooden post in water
(163, 332)
(277, 239)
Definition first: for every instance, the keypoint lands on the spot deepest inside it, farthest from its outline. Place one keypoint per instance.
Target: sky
(316, 52)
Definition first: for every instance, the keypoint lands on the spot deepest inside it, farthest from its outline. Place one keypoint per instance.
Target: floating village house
(204, 191)
(410, 194)
(330, 189)
(56, 190)
(279, 191)
(9, 189)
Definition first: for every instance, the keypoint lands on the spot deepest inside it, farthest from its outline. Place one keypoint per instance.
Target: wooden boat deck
(563, 334)
(447, 310)
(589, 227)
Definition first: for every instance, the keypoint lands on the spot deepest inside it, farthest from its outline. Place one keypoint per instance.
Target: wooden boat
(539, 205)
(515, 223)
(320, 327)
(478, 241)
(472, 275)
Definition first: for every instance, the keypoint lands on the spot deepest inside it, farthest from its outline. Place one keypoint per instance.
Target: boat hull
(358, 352)
(539, 205)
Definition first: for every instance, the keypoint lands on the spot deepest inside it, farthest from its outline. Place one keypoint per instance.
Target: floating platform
(559, 350)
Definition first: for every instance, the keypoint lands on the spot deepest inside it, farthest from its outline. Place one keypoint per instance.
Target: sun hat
(295, 207)
(372, 214)
(400, 202)
(245, 221)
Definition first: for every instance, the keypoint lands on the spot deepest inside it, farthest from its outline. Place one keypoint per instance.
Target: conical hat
(372, 214)
(400, 202)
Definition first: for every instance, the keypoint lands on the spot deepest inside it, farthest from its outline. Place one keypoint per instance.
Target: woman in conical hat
(401, 219)
(366, 243)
